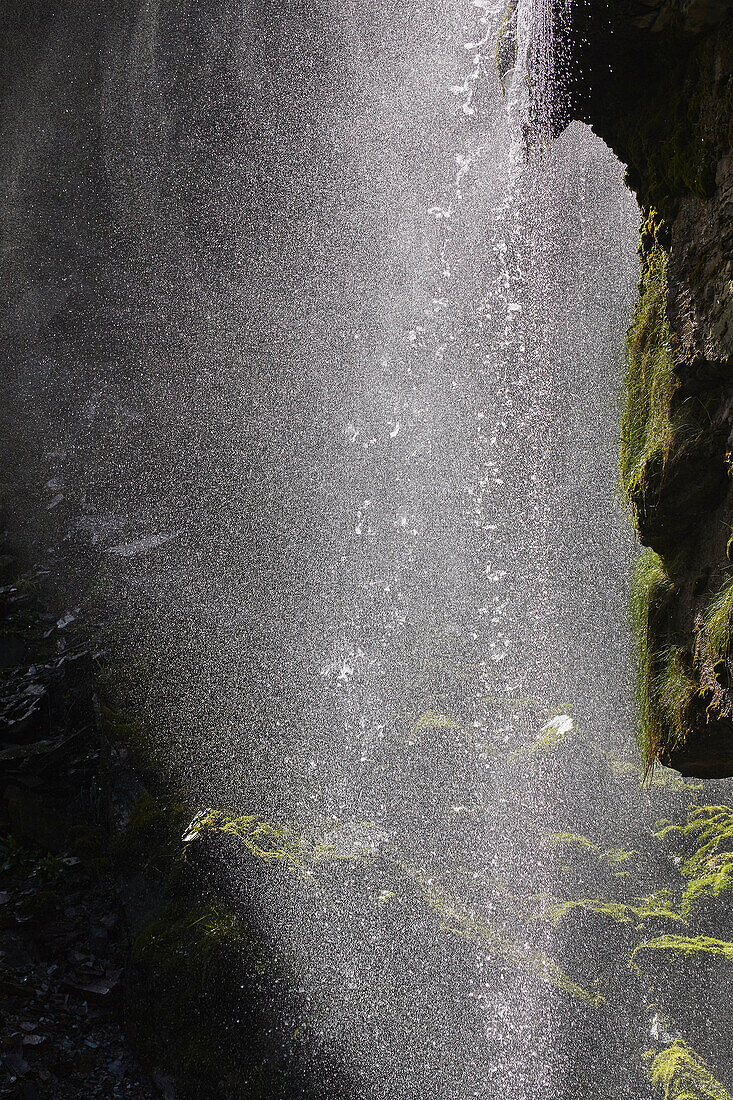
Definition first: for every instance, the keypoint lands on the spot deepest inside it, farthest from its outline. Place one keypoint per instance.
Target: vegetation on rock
(709, 870)
(647, 429)
(680, 1074)
(719, 624)
(665, 688)
(683, 945)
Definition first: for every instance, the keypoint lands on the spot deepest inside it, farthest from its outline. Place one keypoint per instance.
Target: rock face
(655, 80)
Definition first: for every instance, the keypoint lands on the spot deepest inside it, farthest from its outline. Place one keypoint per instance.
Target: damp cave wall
(655, 81)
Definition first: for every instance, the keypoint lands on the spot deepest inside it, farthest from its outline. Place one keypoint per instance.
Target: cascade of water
(339, 426)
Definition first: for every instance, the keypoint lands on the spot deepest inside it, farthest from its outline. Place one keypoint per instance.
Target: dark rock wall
(655, 80)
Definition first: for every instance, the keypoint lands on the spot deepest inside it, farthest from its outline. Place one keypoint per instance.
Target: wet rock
(652, 78)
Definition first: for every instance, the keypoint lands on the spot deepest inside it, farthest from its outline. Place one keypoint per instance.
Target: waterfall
(314, 411)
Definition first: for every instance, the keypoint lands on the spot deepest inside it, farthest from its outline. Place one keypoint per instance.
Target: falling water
(324, 431)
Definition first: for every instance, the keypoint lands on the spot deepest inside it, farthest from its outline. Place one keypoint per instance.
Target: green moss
(682, 1075)
(683, 945)
(460, 919)
(433, 720)
(646, 424)
(719, 624)
(615, 910)
(582, 843)
(299, 848)
(709, 870)
(559, 730)
(658, 905)
(664, 687)
(672, 691)
(553, 733)
(717, 880)
(649, 581)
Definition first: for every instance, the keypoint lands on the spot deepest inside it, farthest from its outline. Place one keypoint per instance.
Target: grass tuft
(719, 624)
(664, 688)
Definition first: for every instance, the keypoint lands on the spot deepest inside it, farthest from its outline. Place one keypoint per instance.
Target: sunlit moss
(664, 688)
(718, 880)
(680, 1074)
(646, 425)
(461, 920)
(673, 781)
(672, 690)
(433, 720)
(682, 945)
(719, 624)
(265, 841)
(709, 870)
(554, 733)
(636, 910)
(582, 843)
(616, 910)
(297, 847)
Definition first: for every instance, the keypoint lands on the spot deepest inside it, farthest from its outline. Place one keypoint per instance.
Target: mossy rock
(665, 688)
(678, 1073)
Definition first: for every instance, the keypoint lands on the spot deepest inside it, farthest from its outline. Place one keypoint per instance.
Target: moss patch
(680, 1074)
(431, 720)
(682, 945)
(709, 870)
(664, 687)
(647, 429)
(299, 848)
(719, 624)
(637, 910)
(573, 841)
(461, 920)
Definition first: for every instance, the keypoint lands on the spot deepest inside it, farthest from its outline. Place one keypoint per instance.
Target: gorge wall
(655, 81)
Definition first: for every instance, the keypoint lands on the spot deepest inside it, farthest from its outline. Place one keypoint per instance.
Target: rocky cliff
(655, 80)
